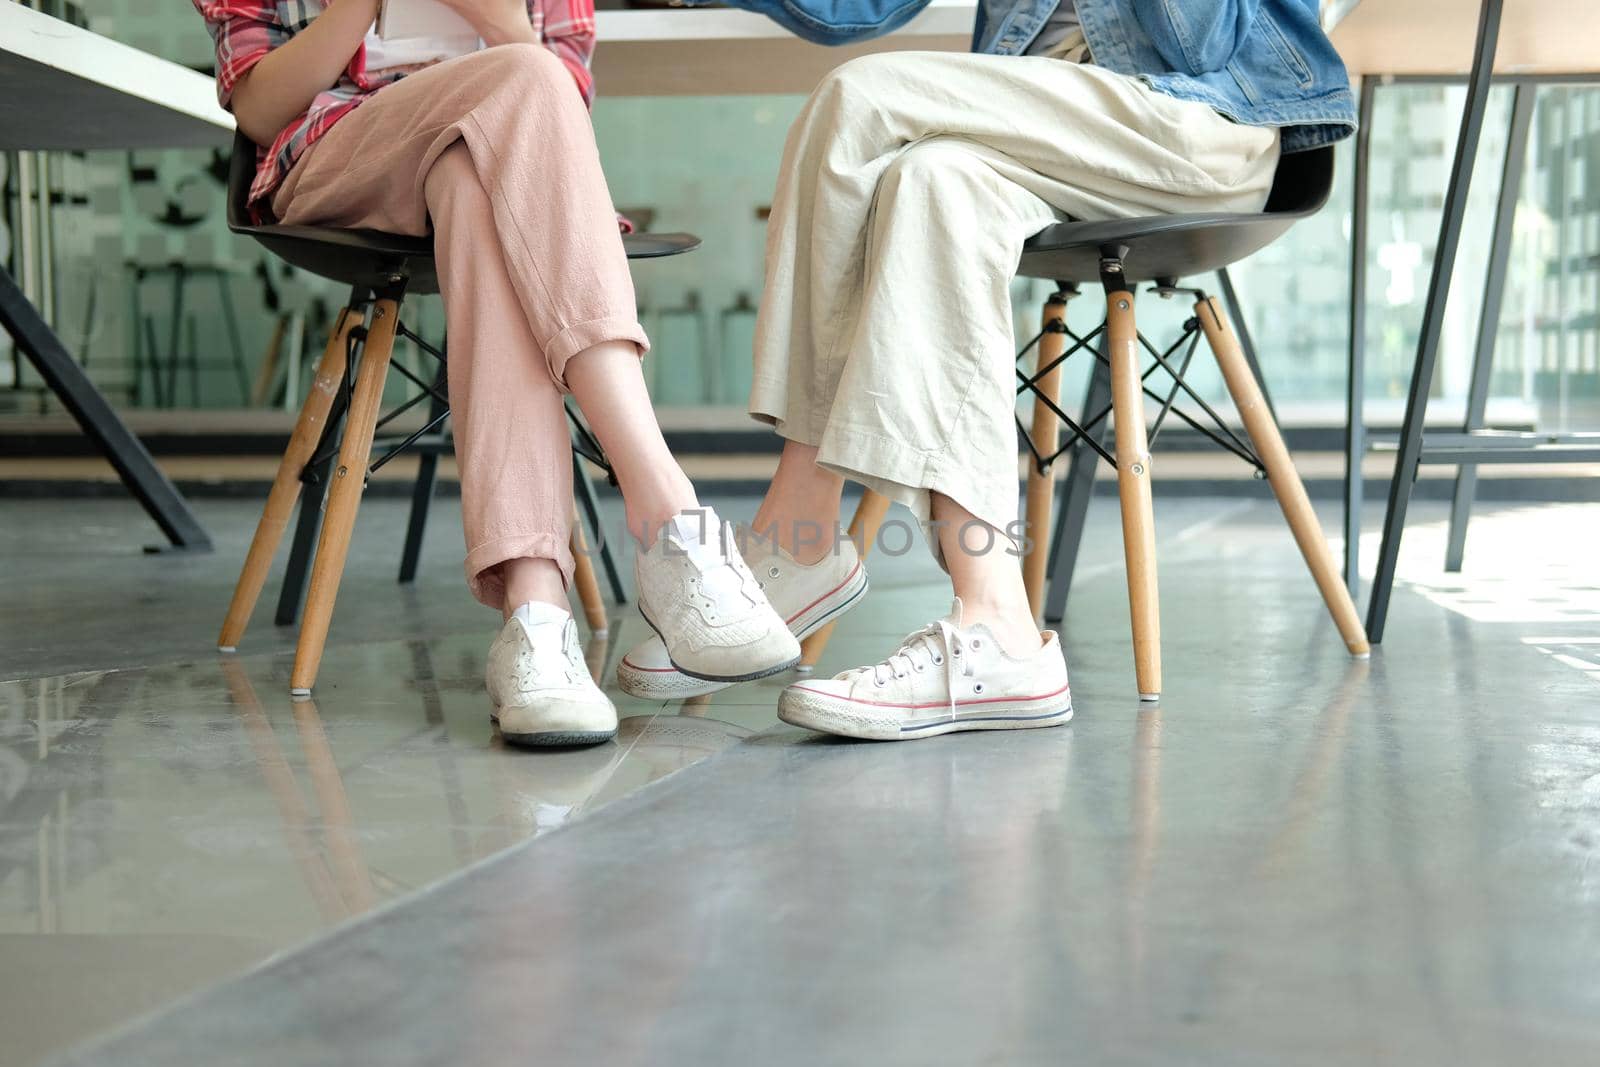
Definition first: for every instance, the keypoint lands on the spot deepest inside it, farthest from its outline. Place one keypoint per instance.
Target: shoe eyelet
(877, 683)
(919, 668)
(976, 643)
(772, 572)
(977, 687)
(956, 652)
(938, 661)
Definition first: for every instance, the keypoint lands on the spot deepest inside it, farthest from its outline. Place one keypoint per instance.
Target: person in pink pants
(486, 143)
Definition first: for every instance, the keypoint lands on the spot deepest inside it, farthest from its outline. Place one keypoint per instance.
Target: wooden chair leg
(1045, 434)
(864, 531)
(583, 576)
(344, 494)
(1133, 485)
(1282, 476)
(286, 483)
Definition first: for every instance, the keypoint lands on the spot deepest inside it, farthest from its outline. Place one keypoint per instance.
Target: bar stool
(347, 387)
(1120, 254)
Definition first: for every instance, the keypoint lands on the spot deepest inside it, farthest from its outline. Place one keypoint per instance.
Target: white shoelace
(721, 569)
(924, 649)
(571, 668)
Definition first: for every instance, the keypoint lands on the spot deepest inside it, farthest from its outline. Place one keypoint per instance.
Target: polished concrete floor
(1295, 858)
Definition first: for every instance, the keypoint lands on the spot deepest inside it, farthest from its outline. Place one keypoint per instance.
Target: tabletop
(1437, 36)
(64, 88)
(710, 51)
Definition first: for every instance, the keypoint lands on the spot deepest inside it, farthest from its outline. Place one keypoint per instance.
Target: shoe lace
(722, 571)
(569, 665)
(926, 648)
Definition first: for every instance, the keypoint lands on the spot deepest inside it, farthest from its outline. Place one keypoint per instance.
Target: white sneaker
(697, 593)
(540, 689)
(941, 679)
(806, 596)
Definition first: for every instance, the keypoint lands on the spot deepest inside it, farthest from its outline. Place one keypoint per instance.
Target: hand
(497, 21)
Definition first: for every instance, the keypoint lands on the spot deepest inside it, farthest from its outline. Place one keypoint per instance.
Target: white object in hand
(400, 20)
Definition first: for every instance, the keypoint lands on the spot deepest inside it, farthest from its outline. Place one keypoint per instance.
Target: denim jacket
(1259, 62)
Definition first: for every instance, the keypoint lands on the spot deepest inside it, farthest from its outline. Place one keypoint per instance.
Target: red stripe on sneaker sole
(931, 704)
(847, 580)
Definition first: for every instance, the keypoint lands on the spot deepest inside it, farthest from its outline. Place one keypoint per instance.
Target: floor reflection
(191, 820)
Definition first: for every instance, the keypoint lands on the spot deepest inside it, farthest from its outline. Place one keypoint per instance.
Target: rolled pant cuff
(483, 561)
(585, 335)
(905, 475)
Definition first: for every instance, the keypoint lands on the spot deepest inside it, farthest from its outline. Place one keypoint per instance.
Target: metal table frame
(1473, 445)
(67, 380)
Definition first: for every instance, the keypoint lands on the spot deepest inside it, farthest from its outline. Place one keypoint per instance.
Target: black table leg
(1355, 426)
(1494, 288)
(115, 441)
(1444, 259)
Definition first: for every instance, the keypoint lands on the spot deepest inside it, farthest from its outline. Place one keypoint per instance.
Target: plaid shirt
(246, 30)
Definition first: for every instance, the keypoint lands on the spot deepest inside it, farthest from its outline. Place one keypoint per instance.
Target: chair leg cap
(299, 692)
(1149, 698)
(227, 648)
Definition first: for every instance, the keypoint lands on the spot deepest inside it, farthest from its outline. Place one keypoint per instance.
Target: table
(1431, 41)
(714, 51)
(63, 88)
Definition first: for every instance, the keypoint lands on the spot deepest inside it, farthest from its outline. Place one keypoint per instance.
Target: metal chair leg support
(583, 486)
(1078, 490)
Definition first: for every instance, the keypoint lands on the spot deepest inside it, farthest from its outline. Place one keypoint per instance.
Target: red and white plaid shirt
(246, 30)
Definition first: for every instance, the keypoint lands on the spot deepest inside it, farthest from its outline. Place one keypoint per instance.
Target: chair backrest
(1302, 182)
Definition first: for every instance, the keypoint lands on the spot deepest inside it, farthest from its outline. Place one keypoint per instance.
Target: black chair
(346, 392)
(1119, 254)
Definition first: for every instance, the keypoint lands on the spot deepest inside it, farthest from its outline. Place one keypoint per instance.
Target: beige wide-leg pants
(496, 150)
(910, 182)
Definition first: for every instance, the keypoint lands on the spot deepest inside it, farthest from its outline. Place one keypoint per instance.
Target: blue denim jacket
(1259, 62)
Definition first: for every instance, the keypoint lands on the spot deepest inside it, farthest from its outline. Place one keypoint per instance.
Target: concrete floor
(1293, 859)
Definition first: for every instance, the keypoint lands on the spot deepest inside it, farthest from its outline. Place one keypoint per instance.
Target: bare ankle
(653, 503)
(1011, 624)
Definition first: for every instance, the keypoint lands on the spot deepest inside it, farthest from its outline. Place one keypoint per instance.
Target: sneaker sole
(812, 710)
(552, 738)
(678, 684)
(765, 672)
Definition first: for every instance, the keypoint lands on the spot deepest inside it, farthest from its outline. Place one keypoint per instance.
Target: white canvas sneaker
(540, 689)
(807, 596)
(942, 678)
(698, 594)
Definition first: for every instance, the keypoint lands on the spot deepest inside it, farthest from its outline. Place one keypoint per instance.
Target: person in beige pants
(884, 349)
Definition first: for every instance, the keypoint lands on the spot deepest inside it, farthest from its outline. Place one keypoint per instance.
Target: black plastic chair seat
(1177, 246)
(370, 258)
